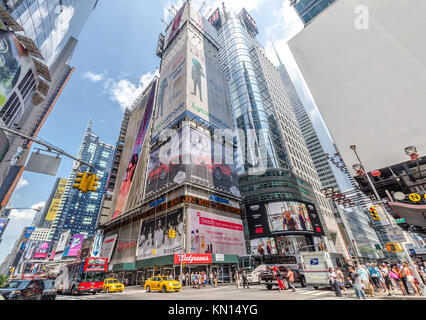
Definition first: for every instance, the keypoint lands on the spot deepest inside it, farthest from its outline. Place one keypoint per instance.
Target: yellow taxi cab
(163, 284)
(113, 285)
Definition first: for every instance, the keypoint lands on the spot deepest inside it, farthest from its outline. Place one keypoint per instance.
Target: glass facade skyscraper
(78, 211)
(309, 9)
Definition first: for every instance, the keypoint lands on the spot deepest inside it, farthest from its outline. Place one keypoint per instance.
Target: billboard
(269, 219)
(56, 200)
(192, 156)
(249, 22)
(30, 249)
(108, 246)
(15, 63)
(180, 18)
(75, 246)
(126, 184)
(3, 224)
(29, 231)
(42, 250)
(154, 235)
(263, 246)
(203, 25)
(216, 19)
(211, 233)
(64, 238)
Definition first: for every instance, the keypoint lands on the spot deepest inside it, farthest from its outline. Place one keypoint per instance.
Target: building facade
(309, 9)
(77, 211)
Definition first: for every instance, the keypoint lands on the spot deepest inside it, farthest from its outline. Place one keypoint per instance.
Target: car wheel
(94, 293)
(316, 287)
(164, 289)
(269, 286)
(73, 291)
(218, 174)
(163, 174)
(148, 289)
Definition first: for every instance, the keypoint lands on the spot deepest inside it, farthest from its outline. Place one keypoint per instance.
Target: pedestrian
(290, 278)
(365, 279)
(236, 278)
(375, 279)
(403, 278)
(182, 276)
(356, 282)
(340, 278)
(410, 278)
(279, 278)
(397, 275)
(245, 281)
(387, 279)
(334, 283)
(211, 278)
(215, 280)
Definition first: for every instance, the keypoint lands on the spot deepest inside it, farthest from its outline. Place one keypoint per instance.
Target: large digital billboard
(192, 156)
(75, 246)
(56, 200)
(213, 233)
(153, 239)
(42, 250)
(126, 184)
(269, 219)
(15, 63)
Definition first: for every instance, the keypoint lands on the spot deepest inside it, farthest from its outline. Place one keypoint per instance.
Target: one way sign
(97, 244)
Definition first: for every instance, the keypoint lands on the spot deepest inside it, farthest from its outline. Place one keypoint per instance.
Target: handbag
(394, 275)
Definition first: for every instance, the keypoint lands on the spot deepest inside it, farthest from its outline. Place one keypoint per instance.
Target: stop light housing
(92, 182)
(374, 213)
(394, 247)
(81, 181)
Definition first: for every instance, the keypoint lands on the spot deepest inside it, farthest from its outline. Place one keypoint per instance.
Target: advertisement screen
(263, 246)
(75, 246)
(42, 250)
(30, 249)
(176, 25)
(28, 232)
(212, 233)
(192, 156)
(56, 200)
(15, 63)
(108, 246)
(279, 218)
(154, 235)
(216, 20)
(3, 224)
(126, 184)
(63, 241)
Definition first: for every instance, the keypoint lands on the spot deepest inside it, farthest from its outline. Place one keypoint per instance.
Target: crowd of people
(198, 279)
(372, 279)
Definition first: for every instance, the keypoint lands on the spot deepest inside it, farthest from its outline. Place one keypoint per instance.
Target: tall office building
(48, 31)
(353, 222)
(79, 211)
(289, 188)
(309, 9)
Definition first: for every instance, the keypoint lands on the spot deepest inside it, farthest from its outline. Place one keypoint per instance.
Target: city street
(224, 293)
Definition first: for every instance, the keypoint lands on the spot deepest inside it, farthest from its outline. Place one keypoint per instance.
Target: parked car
(268, 278)
(23, 290)
(113, 285)
(49, 292)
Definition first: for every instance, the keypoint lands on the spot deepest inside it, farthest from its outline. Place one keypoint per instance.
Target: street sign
(399, 196)
(400, 220)
(415, 197)
(97, 245)
(394, 233)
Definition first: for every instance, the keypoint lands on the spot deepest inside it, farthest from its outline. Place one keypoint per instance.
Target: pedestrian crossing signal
(374, 213)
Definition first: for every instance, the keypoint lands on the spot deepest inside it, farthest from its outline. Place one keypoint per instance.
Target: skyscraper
(289, 185)
(48, 30)
(309, 9)
(77, 211)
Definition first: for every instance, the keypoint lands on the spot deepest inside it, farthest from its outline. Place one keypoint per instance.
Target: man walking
(356, 283)
(290, 278)
(245, 281)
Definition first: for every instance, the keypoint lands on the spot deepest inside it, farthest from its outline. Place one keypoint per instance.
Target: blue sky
(114, 59)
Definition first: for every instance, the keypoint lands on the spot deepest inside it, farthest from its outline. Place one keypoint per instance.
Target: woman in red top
(280, 281)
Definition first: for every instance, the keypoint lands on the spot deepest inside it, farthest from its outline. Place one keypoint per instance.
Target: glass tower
(77, 211)
(309, 9)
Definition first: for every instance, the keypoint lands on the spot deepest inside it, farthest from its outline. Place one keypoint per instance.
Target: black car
(23, 290)
(49, 292)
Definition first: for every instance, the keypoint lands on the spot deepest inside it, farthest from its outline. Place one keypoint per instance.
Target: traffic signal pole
(391, 222)
(48, 146)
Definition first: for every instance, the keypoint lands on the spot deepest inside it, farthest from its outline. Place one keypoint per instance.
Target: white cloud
(27, 214)
(22, 184)
(93, 77)
(124, 91)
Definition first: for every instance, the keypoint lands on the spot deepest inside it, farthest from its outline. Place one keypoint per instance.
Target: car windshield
(167, 279)
(94, 276)
(16, 284)
(113, 281)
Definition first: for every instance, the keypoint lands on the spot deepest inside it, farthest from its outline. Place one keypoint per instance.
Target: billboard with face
(263, 246)
(192, 156)
(280, 218)
(15, 63)
(42, 250)
(126, 184)
(154, 235)
(75, 246)
(212, 233)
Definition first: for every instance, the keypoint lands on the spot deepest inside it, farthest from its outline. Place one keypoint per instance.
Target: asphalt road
(227, 292)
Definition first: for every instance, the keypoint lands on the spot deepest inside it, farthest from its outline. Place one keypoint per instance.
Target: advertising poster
(126, 184)
(171, 90)
(263, 246)
(176, 25)
(154, 235)
(30, 249)
(75, 246)
(15, 63)
(3, 224)
(56, 200)
(42, 250)
(108, 246)
(64, 238)
(212, 233)
(280, 218)
(28, 232)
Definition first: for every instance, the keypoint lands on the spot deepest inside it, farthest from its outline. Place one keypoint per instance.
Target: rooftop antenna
(278, 56)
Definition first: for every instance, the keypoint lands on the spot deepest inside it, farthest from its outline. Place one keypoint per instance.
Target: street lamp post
(391, 222)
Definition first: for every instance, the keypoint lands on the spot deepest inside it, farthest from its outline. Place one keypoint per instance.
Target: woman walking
(410, 278)
(356, 283)
(281, 285)
(334, 283)
(340, 278)
(387, 279)
(397, 271)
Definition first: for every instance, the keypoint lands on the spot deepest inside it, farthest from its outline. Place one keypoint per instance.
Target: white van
(315, 267)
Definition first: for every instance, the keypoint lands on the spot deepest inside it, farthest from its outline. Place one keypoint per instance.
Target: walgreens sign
(194, 258)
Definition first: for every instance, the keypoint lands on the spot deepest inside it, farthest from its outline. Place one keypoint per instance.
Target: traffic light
(374, 214)
(80, 182)
(172, 234)
(394, 247)
(92, 182)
